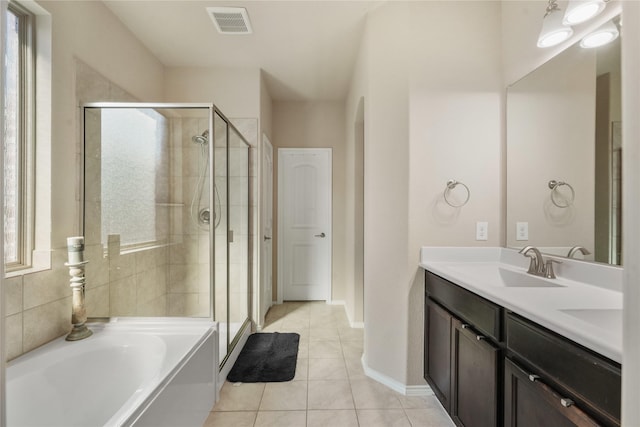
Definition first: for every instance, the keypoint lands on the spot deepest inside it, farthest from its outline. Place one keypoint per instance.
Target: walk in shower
(166, 214)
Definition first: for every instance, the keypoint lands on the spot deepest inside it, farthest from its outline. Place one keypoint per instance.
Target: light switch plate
(482, 230)
(522, 231)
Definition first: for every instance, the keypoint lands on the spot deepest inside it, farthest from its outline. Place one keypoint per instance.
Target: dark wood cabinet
(529, 402)
(592, 381)
(479, 358)
(484, 315)
(437, 366)
(475, 378)
(463, 368)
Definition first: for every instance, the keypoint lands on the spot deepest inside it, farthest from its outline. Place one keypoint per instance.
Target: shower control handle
(321, 235)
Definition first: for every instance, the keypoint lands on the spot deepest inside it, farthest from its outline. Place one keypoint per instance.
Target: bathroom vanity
(503, 347)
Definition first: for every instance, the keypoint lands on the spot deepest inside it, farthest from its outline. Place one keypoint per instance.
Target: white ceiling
(307, 48)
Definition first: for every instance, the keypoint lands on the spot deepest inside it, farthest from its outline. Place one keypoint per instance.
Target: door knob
(321, 235)
(267, 238)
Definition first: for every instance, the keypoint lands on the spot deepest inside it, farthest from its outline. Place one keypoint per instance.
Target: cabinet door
(437, 362)
(475, 378)
(531, 403)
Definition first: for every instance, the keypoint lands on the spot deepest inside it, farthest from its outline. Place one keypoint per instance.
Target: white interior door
(266, 263)
(304, 224)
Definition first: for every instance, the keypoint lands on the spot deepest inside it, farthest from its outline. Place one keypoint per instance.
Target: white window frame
(26, 141)
(38, 226)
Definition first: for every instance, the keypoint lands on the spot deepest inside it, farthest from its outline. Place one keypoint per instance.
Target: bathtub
(131, 371)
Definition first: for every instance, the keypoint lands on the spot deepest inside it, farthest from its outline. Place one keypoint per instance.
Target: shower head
(201, 139)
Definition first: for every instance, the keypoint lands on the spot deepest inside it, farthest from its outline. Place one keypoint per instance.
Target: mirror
(564, 155)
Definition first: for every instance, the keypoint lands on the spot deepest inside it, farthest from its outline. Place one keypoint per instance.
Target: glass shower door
(238, 191)
(166, 204)
(221, 235)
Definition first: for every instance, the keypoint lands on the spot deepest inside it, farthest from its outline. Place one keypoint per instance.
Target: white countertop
(584, 302)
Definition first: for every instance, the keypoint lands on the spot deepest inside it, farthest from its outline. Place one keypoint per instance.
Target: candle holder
(76, 266)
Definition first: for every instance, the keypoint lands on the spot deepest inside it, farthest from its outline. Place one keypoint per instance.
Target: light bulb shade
(579, 11)
(553, 31)
(603, 35)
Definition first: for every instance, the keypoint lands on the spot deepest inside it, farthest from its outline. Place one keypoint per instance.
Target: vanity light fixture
(553, 30)
(579, 11)
(603, 35)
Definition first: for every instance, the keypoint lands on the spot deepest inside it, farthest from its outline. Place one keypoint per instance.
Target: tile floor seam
(350, 346)
(353, 398)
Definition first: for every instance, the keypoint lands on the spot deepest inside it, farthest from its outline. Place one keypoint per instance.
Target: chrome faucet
(538, 265)
(577, 249)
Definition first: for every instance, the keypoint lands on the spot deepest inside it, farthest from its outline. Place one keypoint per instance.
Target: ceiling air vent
(230, 20)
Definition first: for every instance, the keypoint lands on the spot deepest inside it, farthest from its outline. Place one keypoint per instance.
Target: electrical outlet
(482, 230)
(522, 231)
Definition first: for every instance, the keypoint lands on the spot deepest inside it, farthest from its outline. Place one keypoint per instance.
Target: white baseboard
(407, 390)
(418, 390)
(356, 325)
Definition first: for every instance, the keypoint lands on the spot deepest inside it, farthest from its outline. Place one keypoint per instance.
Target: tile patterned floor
(330, 388)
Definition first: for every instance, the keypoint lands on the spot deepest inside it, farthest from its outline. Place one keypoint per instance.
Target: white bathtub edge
(178, 390)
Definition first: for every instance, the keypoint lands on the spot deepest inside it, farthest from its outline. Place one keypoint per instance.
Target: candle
(75, 248)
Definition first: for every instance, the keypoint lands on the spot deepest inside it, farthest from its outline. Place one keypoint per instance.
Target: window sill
(41, 262)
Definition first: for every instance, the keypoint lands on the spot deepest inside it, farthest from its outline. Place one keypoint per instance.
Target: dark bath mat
(266, 358)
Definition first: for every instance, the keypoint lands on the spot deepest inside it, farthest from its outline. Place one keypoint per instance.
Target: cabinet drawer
(589, 378)
(479, 312)
(531, 403)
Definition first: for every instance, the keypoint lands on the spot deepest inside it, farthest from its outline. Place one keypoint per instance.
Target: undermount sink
(513, 279)
(492, 274)
(608, 318)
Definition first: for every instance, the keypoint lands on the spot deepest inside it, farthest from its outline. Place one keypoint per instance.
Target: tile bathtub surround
(330, 388)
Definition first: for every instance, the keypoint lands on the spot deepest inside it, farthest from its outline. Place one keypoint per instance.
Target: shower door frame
(213, 110)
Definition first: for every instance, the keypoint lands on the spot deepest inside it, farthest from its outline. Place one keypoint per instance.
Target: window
(18, 137)
(134, 176)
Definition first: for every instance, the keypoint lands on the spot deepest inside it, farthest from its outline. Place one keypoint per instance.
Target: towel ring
(554, 186)
(451, 184)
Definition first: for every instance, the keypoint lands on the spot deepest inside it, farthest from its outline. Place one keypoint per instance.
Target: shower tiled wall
(189, 260)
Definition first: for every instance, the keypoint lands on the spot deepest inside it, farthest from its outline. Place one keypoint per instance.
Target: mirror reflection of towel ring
(451, 184)
(555, 191)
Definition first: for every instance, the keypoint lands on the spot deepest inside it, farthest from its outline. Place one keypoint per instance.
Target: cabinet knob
(465, 326)
(480, 337)
(566, 402)
(533, 377)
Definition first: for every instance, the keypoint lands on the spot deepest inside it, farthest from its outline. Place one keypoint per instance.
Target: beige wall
(236, 92)
(316, 125)
(415, 105)
(39, 304)
(386, 196)
(354, 183)
(266, 104)
(456, 133)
